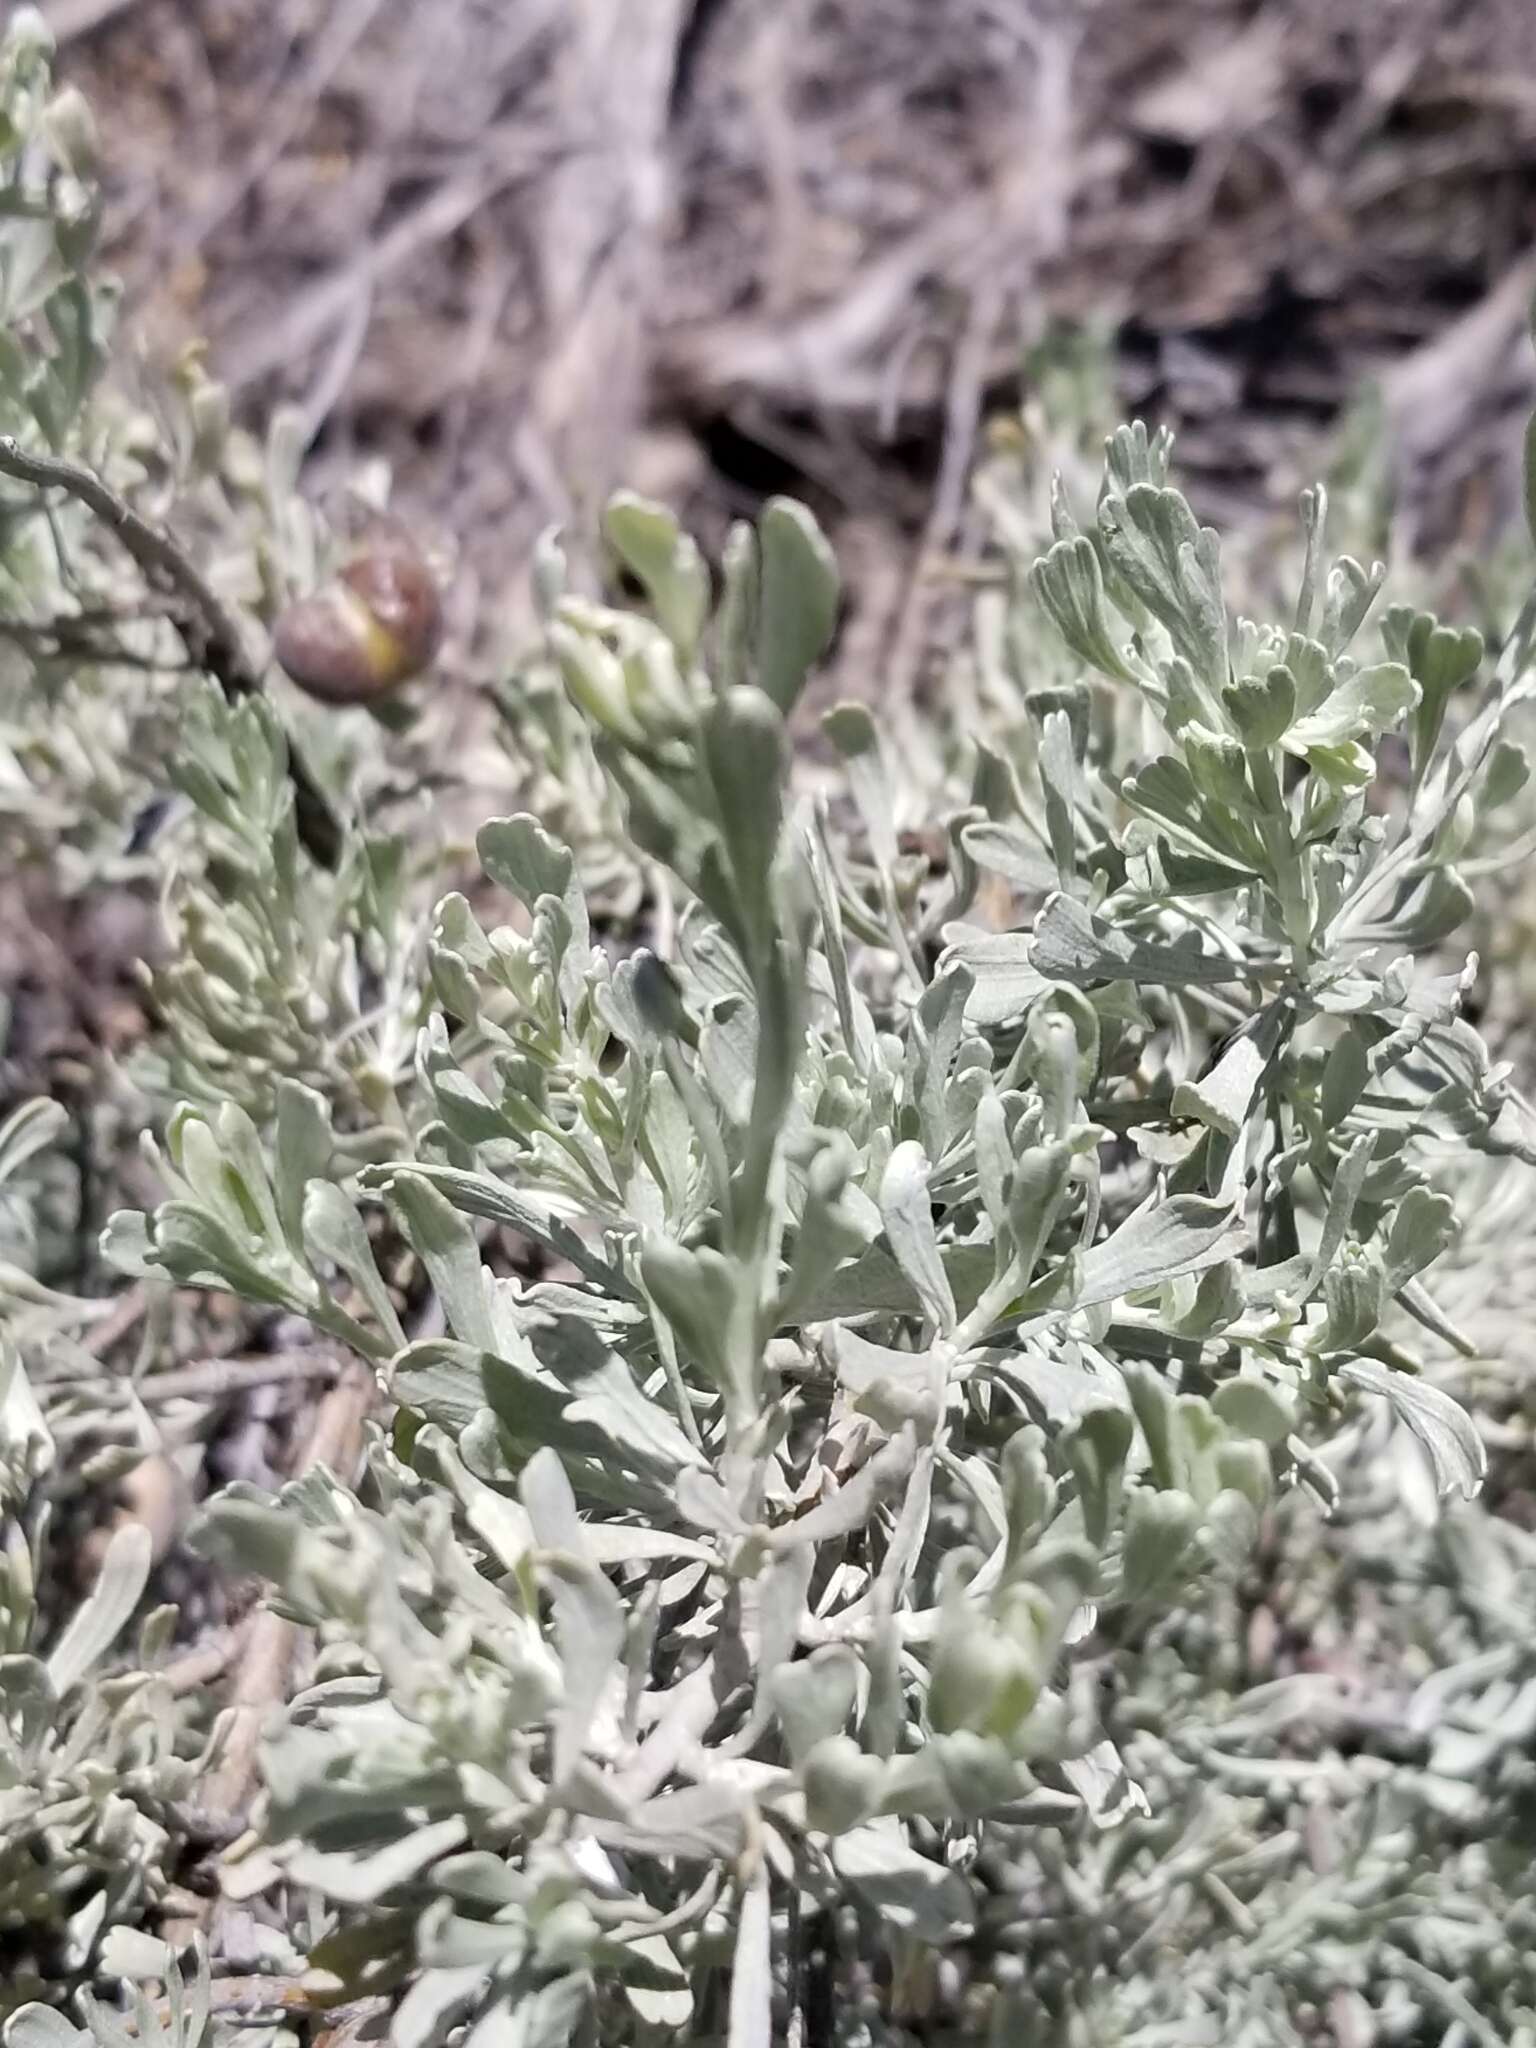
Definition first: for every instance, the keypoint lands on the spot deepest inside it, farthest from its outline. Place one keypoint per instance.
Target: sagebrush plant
(103, 716)
(927, 1313)
(859, 1369)
(276, 971)
(121, 762)
(184, 2020)
(64, 772)
(95, 1764)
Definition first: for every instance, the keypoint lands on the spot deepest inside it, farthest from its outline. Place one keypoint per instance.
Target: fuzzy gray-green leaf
(798, 590)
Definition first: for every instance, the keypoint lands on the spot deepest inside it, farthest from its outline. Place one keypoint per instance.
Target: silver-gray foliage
(911, 1318)
(95, 1762)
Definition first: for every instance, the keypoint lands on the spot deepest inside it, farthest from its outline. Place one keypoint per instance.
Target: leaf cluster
(918, 1314)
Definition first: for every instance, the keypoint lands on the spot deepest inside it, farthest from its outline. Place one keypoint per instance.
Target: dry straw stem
(261, 1681)
(210, 1660)
(264, 1643)
(218, 1379)
(119, 1321)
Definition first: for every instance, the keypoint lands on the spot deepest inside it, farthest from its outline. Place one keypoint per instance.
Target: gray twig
(210, 632)
(122, 1317)
(218, 1379)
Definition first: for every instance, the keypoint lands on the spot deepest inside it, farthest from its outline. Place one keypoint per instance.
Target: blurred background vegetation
(528, 249)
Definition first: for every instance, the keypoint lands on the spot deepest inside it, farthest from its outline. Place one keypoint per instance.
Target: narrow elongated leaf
(1007, 851)
(1344, 1078)
(480, 1194)
(873, 1284)
(357, 1880)
(1069, 585)
(859, 1365)
(798, 592)
(1372, 701)
(918, 1896)
(605, 1392)
(1220, 1099)
(333, 1230)
(815, 1697)
(1442, 1426)
(107, 1608)
(447, 1248)
(1005, 979)
(908, 1212)
(589, 1618)
(932, 1046)
(736, 618)
(748, 754)
(26, 1442)
(1071, 944)
(853, 1503)
(625, 1543)
(751, 2013)
(28, 1130)
(41, 2026)
(781, 1592)
(518, 854)
(599, 1414)
(853, 731)
(1172, 566)
(1058, 779)
(1348, 1180)
(301, 1153)
(1159, 1241)
(546, 2018)
(666, 561)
